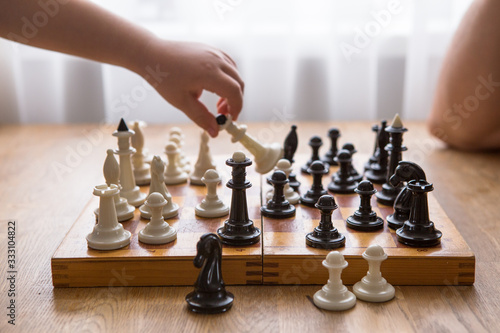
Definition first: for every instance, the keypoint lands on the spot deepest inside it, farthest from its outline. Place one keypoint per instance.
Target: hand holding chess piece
(265, 155)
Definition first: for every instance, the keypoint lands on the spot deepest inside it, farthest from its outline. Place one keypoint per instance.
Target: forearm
(466, 110)
(75, 27)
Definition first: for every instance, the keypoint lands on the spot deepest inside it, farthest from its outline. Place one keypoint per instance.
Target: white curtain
(301, 60)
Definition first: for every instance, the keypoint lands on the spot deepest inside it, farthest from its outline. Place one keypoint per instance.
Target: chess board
(281, 257)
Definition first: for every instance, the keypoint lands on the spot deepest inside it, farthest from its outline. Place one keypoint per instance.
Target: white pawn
(177, 131)
(290, 195)
(173, 173)
(111, 171)
(107, 234)
(211, 206)
(141, 169)
(157, 231)
(334, 295)
(182, 160)
(204, 162)
(171, 209)
(373, 287)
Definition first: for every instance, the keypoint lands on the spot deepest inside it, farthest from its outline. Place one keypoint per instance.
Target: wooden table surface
(47, 175)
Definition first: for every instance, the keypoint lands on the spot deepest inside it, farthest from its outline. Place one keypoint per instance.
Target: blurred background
(300, 60)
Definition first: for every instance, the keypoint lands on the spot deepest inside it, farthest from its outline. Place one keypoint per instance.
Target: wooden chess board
(281, 257)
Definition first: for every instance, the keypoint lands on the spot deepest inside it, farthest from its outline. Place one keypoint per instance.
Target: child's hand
(184, 70)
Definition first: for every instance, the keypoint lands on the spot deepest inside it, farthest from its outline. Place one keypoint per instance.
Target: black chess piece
(122, 127)
(342, 181)
(290, 144)
(334, 135)
(365, 219)
(278, 207)
(325, 235)
(239, 230)
(315, 143)
(405, 172)
(377, 171)
(221, 119)
(352, 171)
(419, 230)
(317, 170)
(374, 157)
(395, 148)
(290, 147)
(209, 295)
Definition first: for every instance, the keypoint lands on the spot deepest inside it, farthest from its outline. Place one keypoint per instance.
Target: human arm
(179, 71)
(466, 109)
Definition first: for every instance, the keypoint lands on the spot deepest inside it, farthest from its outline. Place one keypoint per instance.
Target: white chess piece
(290, 195)
(107, 234)
(177, 131)
(334, 295)
(141, 169)
(171, 209)
(173, 173)
(111, 171)
(204, 162)
(182, 160)
(129, 190)
(265, 155)
(211, 206)
(146, 156)
(157, 231)
(373, 287)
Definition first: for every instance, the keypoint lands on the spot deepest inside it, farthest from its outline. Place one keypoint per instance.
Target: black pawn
(289, 148)
(334, 135)
(325, 235)
(294, 183)
(209, 295)
(377, 171)
(315, 143)
(239, 230)
(374, 157)
(395, 148)
(365, 219)
(352, 171)
(342, 181)
(317, 170)
(278, 207)
(419, 230)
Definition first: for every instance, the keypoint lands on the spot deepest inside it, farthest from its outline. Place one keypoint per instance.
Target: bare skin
(466, 110)
(179, 71)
